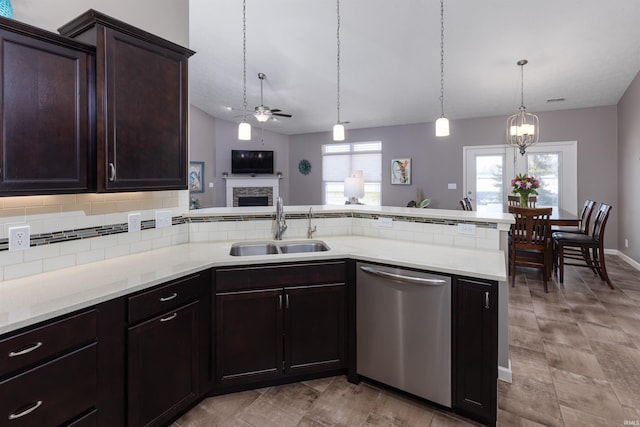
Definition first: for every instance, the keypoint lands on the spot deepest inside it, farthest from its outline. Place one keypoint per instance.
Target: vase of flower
(524, 186)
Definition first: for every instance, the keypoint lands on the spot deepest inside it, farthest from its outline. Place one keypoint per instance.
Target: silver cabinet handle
(280, 302)
(168, 318)
(169, 298)
(286, 301)
(26, 350)
(486, 300)
(27, 411)
(112, 172)
(402, 278)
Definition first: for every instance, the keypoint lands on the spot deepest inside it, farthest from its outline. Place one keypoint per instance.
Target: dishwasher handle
(402, 278)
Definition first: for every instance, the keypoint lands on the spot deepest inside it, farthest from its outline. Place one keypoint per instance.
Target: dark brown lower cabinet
(268, 334)
(163, 366)
(475, 348)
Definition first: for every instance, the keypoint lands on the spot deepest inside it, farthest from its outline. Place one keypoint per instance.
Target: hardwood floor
(575, 355)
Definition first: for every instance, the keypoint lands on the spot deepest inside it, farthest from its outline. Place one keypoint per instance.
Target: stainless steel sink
(272, 248)
(303, 246)
(255, 248)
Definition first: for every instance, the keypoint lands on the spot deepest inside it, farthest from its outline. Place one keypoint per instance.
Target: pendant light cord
(244, 60)
(338, 59)
(442, 58)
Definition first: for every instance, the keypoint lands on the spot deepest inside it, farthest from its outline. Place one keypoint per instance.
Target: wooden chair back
(600, 222)
(467, 204)
(513, 200)
(585, 216)
(531, 229)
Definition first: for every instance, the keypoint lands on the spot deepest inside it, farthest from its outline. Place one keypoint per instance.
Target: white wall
(166, 18)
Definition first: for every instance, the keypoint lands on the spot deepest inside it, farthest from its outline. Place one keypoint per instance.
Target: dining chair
(587, 248)
(530, 241)
(467, 204)
(585, 220)
(513, 200)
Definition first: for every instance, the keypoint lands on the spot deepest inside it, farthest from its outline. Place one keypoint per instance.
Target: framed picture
(401, 171)
(196, 177)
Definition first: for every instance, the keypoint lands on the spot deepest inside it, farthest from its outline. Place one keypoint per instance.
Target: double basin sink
(277, 247)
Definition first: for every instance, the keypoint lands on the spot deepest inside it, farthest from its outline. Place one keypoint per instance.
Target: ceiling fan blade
(280, 114)
(275, 110)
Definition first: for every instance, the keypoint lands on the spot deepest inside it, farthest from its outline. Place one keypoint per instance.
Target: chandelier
(523, 128)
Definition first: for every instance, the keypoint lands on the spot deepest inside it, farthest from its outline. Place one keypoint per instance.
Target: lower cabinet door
(163, 366)
(314, 328)
(248, 336)
(476, 349)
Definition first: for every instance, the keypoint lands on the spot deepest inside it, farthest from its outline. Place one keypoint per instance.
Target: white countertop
(33, 299)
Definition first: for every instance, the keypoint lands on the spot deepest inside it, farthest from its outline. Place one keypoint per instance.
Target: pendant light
(244, 129)
(442, 124)
(338, 128)
(523, 128)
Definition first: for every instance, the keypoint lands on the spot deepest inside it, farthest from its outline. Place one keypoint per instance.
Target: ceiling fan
(263, 113)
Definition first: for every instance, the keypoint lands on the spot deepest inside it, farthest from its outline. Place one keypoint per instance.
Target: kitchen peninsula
(465, 245)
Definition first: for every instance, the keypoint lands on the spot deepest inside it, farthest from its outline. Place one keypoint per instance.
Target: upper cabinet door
(46, 131)
(141, 103)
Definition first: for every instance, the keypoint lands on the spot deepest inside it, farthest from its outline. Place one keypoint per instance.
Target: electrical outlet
(385, 222)
(626, 243)
(19, 238)
(134, 222)
(163, 219)
(469, 229)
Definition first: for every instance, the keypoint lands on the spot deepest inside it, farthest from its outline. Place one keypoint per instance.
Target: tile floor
(575, 355)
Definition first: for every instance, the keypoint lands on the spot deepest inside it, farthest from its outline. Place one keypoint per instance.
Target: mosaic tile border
(107, 230)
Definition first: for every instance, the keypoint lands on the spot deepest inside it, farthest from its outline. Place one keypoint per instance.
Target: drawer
(272, 276)
(163, 298)
(88, 420)
(53, 393)
(22, 350)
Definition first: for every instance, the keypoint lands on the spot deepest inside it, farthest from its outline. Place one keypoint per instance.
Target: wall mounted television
(251, 161)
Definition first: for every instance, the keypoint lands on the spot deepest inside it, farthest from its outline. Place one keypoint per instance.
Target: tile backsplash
(79, 229)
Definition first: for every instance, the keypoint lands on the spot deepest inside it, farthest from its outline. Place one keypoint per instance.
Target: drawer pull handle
(112, 172)
(486, 300)
(26, 350)
(169, 298)
(166, 319)
(27, 411)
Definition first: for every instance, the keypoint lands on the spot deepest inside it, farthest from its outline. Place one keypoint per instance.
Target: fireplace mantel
(244, 182)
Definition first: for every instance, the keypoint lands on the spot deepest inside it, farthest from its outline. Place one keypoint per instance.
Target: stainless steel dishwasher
(404, 330)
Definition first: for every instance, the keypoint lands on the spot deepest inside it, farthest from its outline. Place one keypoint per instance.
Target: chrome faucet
(281, 223)
(310, 230)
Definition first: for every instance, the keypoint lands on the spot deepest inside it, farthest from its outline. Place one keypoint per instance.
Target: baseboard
(633, 263)
(505, 374)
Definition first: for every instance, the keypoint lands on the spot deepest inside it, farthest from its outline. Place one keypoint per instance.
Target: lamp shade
(244, 131)
(354, 185)
(338, 132)
(442, 127)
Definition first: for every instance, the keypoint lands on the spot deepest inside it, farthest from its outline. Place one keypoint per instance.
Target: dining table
(561, 217)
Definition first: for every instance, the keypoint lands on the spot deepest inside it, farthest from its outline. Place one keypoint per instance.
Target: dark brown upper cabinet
(141, 105)
(47, 107)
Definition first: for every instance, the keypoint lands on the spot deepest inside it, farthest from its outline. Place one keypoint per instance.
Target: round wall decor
(304, 167)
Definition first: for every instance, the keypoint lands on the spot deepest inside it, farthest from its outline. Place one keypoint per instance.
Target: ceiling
(585, 51)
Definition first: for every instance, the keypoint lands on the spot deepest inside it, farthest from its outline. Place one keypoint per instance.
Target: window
(338, 160)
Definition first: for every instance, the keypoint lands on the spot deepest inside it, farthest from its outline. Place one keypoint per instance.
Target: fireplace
(252, 191)
(253, 201)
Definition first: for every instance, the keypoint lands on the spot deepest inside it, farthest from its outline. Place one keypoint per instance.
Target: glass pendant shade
(442, 127)
(244, 131)
(338, 132)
